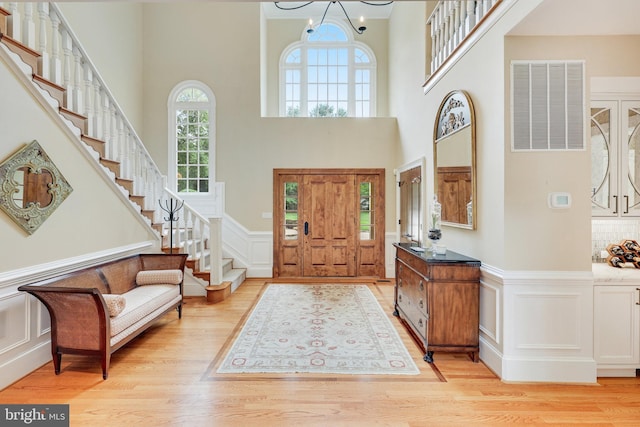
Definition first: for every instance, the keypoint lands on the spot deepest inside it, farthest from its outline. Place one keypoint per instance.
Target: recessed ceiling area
(580, 17)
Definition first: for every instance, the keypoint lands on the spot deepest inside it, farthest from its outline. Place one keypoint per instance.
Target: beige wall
(480, 73)
(559, 239)
(111, 34)
(249, 146)
(91, 219)
(516, 229)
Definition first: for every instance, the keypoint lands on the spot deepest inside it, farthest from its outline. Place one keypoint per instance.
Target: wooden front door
(329, 226)
(328, 223)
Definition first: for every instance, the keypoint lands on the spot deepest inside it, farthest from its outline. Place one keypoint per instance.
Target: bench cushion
(142, 301)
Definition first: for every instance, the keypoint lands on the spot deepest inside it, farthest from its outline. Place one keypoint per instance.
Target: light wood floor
(165, 378)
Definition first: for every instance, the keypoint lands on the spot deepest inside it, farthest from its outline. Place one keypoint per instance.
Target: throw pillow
(115, 303)
(159, 277)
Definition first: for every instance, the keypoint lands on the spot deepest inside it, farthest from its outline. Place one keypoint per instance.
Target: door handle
(615, 210)
(626, 198)
(306, 228)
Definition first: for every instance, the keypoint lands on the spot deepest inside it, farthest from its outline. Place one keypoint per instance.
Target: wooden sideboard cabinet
(437, 300)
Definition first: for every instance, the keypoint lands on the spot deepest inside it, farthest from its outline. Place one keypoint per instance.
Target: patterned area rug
(318, 328)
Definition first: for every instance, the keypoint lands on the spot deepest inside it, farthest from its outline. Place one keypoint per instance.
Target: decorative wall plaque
(31, 187)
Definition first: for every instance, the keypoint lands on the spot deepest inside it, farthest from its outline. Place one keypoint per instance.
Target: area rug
(318, 328)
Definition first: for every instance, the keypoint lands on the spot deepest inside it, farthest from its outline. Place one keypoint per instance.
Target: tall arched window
(327, 74)
(191, 164)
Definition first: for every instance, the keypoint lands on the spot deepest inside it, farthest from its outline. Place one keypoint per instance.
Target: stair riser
(29, 56)
(127, 184)
(111, 165)
(78, 121)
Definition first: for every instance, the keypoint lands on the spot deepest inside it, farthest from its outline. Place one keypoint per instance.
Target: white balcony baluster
(43, 60)
(28, 27)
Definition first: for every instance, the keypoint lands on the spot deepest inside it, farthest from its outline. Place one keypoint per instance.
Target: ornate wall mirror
(31, 187)
(455, 160)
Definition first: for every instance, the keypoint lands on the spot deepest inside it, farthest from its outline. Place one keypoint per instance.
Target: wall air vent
(547, 105)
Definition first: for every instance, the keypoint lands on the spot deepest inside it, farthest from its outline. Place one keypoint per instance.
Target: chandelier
(311, 28)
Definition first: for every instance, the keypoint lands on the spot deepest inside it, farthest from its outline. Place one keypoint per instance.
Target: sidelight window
(291, 199)
(367, 222)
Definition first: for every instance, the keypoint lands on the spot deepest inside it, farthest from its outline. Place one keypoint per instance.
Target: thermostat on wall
(559, 200)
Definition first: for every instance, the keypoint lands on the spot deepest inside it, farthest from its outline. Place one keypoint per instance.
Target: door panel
(330, 240)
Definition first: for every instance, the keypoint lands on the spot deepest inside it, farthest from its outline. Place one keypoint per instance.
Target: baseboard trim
(549, 369)
(21, 366)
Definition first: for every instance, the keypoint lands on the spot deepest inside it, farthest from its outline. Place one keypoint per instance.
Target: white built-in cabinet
(617, 329)
(615, 157)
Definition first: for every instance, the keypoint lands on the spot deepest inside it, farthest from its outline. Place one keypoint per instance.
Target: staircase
(66, 80)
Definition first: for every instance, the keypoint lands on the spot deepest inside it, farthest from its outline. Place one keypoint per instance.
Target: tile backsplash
(607, 231)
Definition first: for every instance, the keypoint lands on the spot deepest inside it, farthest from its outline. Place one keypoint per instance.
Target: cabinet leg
(428, 357)
(396, 312)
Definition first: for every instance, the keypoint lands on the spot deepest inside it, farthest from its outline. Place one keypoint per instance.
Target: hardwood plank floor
(166, 378)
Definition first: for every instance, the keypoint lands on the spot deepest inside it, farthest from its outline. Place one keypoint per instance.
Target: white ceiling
(582, 17)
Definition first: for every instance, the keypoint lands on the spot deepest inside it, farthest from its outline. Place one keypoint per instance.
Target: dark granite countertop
(449, 257)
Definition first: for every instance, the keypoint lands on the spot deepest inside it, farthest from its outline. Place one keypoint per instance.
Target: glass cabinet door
(615, 158)
(604, 144)
(630, 167)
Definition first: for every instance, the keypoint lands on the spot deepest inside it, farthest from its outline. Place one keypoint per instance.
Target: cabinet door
(453, 313)
(615, 158)
(616, 325)
(630, 158)
(604, 158)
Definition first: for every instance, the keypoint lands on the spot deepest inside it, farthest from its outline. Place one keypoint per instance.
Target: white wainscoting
(537, 326)
(252, 250)
(25, 342)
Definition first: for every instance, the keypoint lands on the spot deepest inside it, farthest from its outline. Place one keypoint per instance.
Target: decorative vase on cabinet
(437, 300)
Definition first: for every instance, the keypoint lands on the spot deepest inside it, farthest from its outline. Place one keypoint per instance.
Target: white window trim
(351, 44)
(172, 106)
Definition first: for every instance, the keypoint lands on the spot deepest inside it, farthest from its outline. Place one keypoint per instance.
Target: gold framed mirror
(454, 157)
(31, 187)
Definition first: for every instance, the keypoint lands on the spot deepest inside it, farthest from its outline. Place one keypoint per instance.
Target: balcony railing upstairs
(451, 25)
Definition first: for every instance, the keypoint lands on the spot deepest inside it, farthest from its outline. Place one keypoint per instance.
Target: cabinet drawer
(413, 286)
(460, 272)
(414, 262)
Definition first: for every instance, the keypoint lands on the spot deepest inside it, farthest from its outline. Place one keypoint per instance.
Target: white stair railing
(64, 61)
(194, 234)
(451, 22)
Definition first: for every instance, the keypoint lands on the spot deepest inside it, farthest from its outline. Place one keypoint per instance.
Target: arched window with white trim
(191, 108)
(327, 74)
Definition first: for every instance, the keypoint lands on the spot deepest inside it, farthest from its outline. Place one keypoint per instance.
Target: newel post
(215, 251)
